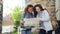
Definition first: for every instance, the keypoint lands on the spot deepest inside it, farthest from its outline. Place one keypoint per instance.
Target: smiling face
(30, 9)
(38, 9)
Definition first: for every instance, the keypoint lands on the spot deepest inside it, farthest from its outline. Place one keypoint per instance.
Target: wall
(48, 4)
(57, 5)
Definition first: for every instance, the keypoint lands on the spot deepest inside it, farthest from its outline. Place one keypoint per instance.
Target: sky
(7, 4)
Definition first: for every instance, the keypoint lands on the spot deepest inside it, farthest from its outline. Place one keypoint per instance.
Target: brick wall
(48, 4)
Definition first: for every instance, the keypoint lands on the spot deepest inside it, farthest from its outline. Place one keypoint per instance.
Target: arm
(21, 21)
(22, 17)
(45, 16)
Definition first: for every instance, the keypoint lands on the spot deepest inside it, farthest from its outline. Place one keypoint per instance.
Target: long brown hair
(26, 8)
(37, 5)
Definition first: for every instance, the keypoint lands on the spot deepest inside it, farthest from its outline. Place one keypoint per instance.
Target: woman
(45, 22)
(27, 14)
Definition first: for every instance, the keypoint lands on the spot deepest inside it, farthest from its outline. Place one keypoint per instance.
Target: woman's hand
(38, 28)
(22, 21)
(40, 22)
(35, 29)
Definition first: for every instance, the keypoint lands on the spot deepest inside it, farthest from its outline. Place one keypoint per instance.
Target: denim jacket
(27, 15)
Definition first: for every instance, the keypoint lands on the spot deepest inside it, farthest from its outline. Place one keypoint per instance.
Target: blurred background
(12, 8)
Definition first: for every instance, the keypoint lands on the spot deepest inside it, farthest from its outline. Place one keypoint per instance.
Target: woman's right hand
(38, 28)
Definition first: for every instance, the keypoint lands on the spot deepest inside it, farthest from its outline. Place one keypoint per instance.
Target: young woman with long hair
(45, 22)
(27, 14)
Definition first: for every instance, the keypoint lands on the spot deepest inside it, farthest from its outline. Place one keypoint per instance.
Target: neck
(39, 12)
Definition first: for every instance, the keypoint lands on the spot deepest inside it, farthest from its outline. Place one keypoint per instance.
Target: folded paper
(31, 22)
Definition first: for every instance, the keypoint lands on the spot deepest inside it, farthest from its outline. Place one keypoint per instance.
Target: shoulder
(45, 11)
(26, 12)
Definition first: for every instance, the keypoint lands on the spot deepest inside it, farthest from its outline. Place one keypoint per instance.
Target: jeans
(27, 31)
(42, 31)
(49, 32)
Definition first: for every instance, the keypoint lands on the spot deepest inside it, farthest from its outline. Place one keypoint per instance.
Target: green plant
(16, 16)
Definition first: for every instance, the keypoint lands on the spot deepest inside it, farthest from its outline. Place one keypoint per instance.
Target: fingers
(22, 21)
(40, 22)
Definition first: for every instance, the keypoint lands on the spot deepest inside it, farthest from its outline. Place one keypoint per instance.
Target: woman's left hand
(40, 22)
